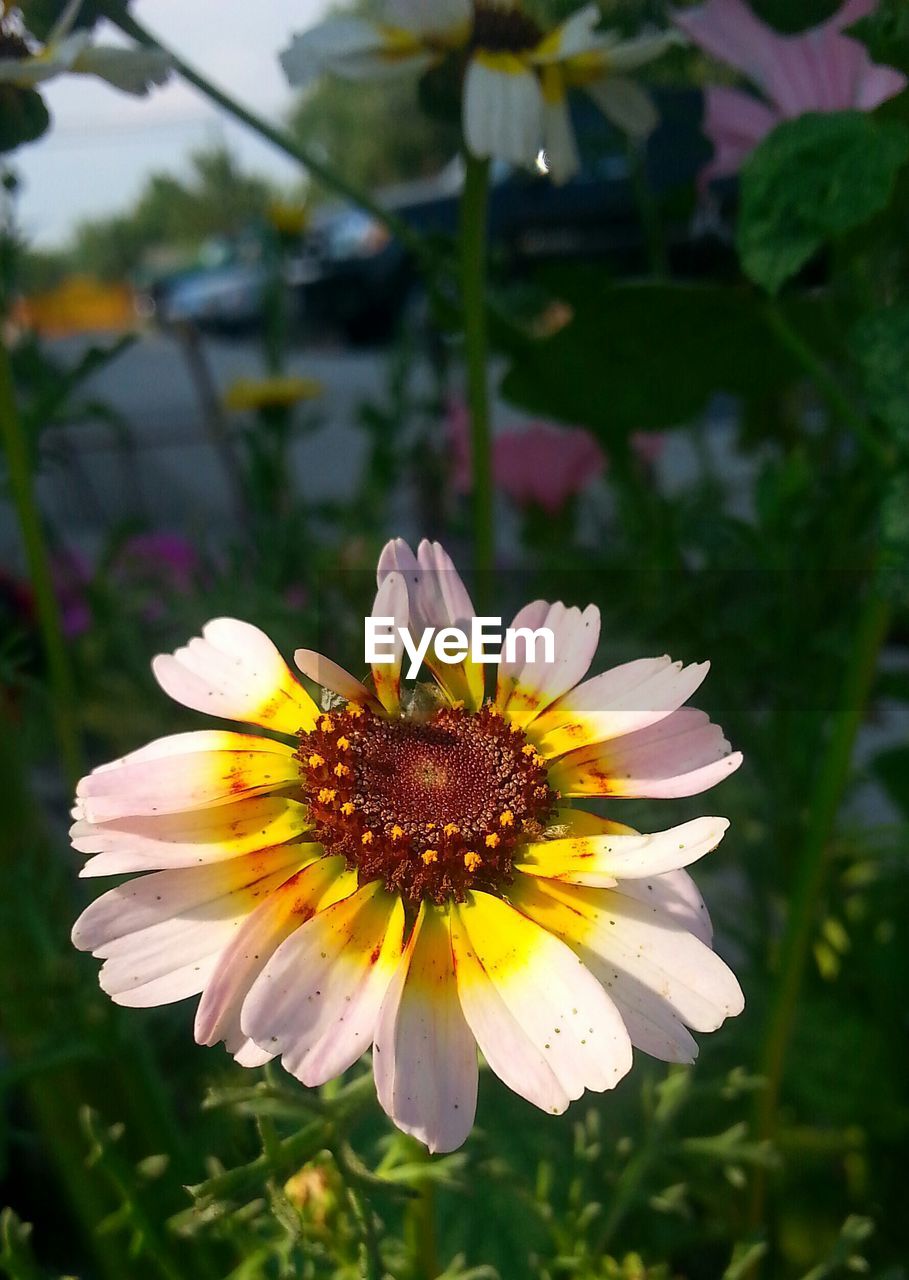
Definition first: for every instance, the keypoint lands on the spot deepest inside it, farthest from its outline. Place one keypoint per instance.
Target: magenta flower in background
(163, 559)
(546, 466)
(817, 70)
(538, 465)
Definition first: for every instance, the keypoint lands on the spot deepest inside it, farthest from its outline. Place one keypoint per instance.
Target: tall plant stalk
(22, 489)
(474, 207)
(810, 872)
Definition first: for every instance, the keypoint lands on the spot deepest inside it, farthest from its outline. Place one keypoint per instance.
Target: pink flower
(545, 466)
(539, 465)
(159, 559)
(817, 70)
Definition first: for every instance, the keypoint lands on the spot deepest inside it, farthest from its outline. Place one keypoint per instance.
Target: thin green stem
(278, 137)
(825, 382)
(649, 210)
(810, 872)
(22, 487)
(474, 204)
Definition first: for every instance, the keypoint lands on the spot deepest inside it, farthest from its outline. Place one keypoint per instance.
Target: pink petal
(425, 1056)
(681, 755)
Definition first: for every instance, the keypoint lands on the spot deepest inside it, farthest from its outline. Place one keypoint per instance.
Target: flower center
(503, 28)
(433, 809)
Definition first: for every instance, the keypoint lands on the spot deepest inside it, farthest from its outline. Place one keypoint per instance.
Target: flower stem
(825, 382)
(22, 488)
(278, 137)
(474, 203)
(811, 868)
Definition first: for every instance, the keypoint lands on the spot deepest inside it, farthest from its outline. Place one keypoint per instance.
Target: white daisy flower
(516, 76)
(24, 65)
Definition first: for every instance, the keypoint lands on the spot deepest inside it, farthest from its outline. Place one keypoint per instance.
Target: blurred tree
(216, 199)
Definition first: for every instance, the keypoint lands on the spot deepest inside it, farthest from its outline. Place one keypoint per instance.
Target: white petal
(675, 895)
(626, 104)
(648, 946)
(317, 1000)
(600, 860)
(425, 1056)
(680, 755)
(537, 683)
(503, 109)
(274, 919)
(575, 35)
(161, 935)
(130, 70)
(559, 143)
(235, 671)
(448, 20)
(331, 676)
(542, 1021)
(187, 839)
(621, 700)
(391, 602)
(352, 48)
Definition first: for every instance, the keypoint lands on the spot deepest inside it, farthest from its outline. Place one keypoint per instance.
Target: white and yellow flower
(516, 77)
(132, 70)
(410, 874)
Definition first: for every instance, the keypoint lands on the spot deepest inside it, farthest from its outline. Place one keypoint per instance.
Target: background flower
(818, 70)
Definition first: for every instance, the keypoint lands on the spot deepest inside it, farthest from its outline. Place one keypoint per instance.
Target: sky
(103, 144)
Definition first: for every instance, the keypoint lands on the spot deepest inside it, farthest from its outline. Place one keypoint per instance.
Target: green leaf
(23, 117)
(639, 357)
(881, 345)
(811, 180)
(886, 33)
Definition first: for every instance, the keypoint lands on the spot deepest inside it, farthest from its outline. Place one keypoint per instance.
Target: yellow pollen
(492, 840)
(506, 819)
(430, 826)
(429, 855)
(341, 770)
(315, 760)
(347, 808)
(326, 724)
(326, 795)
(472, 860)
(514, 728)
(367, 837)
(343, 744)
(397, 833)
(451, 829)
(354, 709)
(528, 749)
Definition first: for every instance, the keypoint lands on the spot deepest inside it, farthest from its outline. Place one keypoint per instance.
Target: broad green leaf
(881, 345)
(886, 33)
(811, 180)
(639, 357)
(23, 117)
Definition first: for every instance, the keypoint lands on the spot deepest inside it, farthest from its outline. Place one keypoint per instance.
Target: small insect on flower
(438, 891)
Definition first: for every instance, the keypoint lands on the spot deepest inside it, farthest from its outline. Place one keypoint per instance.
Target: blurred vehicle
(362, 281)
(225, 290)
